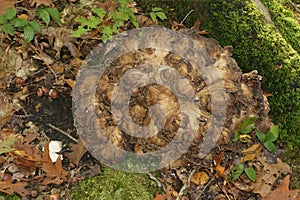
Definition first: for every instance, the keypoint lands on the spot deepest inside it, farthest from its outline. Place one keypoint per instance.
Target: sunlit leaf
(79, 32)
(5, 145)
(99, 11)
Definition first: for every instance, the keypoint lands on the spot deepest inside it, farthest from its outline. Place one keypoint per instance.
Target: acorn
(53, 94)
(13, 168)
(39, 92)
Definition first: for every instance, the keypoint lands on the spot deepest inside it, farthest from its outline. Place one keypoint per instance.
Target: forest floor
(41, 154)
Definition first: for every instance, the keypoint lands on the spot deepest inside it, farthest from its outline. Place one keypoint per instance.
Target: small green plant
(157, 12)
(47, 13)
(10, 23)
(108, 23)
(239, 169)
(248, 126)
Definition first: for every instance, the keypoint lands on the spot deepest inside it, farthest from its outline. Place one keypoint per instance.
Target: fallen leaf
(220, 170)
(277, 67)
(200, 178)
(78, 150)
(9, 188)
(6, 4)
(268, 175)
(36, 3)
(6, 144)
(52, 169)
(251, 152)
(23, 16)
(283, 191)
(196, 25)
(70, 82)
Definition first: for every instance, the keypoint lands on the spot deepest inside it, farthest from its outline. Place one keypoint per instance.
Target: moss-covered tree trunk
(263, 45)
(265, 35)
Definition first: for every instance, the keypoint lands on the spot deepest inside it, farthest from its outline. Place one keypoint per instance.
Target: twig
(209, 182)
(63, 132)
(186, 184)
(159, 184)
(186, 16)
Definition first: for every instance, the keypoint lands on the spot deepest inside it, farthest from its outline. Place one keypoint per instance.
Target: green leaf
(28, 33)
(270, 146)
(270, 137)
(20, 22)
(42, 13)
(54, 14)
(8, 28)
(122, 16)
(135, 23)
(248, 125)
(274, 130)
(161, 15)
(153, 16)
(237, 171)
(3, 19)
(36, 26)
(156, 9)
(10, 13)
(260, 135)
(92, 22)
(251, 173)
(5, 145)
(236, 136)
(79, 32)
(100, 12)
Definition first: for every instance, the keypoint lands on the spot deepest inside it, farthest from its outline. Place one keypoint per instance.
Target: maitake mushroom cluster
(148, 92)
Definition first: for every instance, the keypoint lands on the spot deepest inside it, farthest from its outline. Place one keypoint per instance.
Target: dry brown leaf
(70, 82)
(200, 178)
(196, 25)
(6, 4)
(52, 169)
(277, 67)
(36, 3)
(283, 191)
(78, 150)
(220, 170)
(251, 152)
(9, 188)
(268, 176)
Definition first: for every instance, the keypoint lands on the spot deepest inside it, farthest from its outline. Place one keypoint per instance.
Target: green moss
(285, 22)
(261, 46)
(115, 185)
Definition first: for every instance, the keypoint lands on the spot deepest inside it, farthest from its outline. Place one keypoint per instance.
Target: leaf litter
(50, 63)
